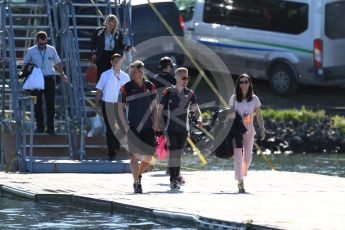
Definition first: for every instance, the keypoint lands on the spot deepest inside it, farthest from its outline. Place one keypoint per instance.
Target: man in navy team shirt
(138, 98)
(178, 101)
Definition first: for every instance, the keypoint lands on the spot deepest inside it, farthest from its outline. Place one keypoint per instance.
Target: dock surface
(283, 200)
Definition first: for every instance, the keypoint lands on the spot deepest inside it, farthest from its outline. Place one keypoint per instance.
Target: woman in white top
(246, 104)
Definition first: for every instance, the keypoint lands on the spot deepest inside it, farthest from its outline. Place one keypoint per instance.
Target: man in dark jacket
(164, 78)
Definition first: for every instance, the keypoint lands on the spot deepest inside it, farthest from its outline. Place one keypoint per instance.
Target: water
(24, 214)
(326, 164)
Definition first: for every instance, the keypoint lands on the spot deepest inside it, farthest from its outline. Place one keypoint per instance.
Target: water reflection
(24, 214)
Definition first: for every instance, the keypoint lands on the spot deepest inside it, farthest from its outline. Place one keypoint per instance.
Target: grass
(298, 116)
(305, 115)
(338, 122)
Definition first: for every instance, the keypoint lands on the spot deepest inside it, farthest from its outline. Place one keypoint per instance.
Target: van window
(272, 15)
(186, 8)
(147, 25)
(335, 20)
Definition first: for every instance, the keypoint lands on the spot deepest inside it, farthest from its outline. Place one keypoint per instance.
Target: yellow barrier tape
(197, 151)
(92, 104)
(182, 167)
(99, 12)
(268, 161)
(197, 66)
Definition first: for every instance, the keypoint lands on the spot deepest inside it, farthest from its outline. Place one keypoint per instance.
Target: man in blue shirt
(139, 98)
(46, 58)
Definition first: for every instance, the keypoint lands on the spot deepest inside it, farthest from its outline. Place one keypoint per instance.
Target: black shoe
(181, 180)
(174, 185)
(241, 187)
(111, 158)
(51, 132)
(137, 188)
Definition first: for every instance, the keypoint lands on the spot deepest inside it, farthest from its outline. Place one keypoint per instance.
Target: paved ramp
(284, 200)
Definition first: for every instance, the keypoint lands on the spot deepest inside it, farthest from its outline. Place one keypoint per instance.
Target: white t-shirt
(110, 85)
(245, 107)
(44, 59)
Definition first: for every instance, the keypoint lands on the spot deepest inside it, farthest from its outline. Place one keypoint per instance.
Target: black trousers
(103, 62)
(109, 111)
(176, 144)
(49, 94)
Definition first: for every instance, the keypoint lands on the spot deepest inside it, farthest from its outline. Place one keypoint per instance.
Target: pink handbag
(161, 148)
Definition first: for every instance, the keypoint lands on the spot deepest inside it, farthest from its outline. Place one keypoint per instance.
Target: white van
(285, 42)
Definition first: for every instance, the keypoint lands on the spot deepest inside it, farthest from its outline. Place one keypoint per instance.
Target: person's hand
(200, 124)
(126, 127)
(155, 126)
(262, 134)
(93, 58)
(97, 109)
(132, 49)
(231, 116)
(64, 78)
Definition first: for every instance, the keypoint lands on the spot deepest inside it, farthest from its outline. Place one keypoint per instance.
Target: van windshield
(335, 20)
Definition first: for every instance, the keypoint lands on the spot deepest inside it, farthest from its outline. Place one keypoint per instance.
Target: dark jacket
(163, 80)
(98, 38)
(237, 130)
(223, 147)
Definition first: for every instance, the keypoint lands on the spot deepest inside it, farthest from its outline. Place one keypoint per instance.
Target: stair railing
(73, 67)
(14, 85)
(80, 82)
(68, 93)
(3, 80)
(26, 102)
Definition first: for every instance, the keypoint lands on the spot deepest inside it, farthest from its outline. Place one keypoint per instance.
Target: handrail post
(3, 80)
(14, 85)
(25, 102)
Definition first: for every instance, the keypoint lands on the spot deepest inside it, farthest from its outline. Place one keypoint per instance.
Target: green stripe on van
(276, 45)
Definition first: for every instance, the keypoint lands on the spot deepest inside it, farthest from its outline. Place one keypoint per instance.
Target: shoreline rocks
(309, 137)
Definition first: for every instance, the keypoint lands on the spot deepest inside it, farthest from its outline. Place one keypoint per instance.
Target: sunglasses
(244, 82)
(185, 78)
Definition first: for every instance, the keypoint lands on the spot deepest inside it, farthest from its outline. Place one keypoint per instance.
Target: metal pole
(3, 81)
(52, 34)
(14, 86)
(80, 85)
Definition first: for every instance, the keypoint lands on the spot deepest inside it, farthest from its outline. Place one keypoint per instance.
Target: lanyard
(246, 107)
(117, 75)
(111, 43)
(43, 57)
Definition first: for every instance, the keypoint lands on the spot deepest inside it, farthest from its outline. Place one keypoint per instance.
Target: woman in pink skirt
(246, 104)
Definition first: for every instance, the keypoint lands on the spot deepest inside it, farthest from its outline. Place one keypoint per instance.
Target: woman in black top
(106, 41)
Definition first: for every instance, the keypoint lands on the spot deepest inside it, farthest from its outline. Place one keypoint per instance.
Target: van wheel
(282, 80)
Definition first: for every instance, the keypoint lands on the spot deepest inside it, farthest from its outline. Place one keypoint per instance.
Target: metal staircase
(90, 14)
(69, 150)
